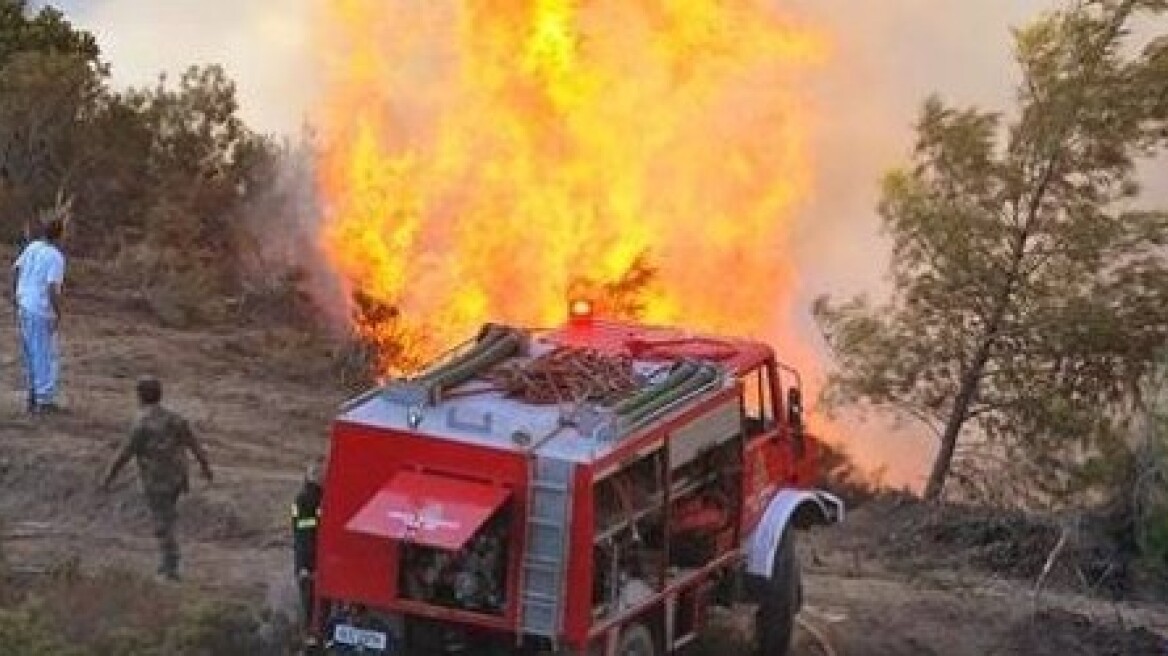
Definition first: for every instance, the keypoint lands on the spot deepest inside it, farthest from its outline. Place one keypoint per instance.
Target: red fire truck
(588, 491)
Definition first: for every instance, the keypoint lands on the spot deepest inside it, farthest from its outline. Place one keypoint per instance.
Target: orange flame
(483, 156)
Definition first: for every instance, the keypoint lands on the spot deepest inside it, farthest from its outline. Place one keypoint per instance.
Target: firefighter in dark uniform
(159, 441)
(305, 516)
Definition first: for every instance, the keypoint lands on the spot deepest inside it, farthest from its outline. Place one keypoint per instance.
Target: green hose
(487, 337)
(679, 373)
(464, 370)
(701, 378)
(495, 343)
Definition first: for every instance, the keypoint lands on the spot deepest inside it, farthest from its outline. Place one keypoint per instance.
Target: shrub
(24, 632)
(210, 628)
(118, 613)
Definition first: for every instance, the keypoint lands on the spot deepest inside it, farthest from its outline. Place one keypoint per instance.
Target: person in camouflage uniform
(159, 441)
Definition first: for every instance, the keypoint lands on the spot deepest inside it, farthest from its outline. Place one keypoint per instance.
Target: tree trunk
(969, 385)
(971, 377)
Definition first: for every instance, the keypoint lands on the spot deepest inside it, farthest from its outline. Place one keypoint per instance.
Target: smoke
(889, 56)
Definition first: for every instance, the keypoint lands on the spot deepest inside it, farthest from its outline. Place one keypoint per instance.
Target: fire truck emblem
(427, 519)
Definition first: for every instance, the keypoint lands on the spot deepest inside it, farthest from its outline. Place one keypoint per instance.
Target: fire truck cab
(589, 491)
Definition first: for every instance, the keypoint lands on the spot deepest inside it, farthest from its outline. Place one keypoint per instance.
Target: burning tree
(481, 158)
(1029, 294)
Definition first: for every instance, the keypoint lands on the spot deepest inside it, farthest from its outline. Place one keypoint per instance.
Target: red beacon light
(580, 309)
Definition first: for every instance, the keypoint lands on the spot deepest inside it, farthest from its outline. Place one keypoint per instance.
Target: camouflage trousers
(164, 510)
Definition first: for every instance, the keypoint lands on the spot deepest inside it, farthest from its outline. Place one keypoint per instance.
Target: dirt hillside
(261, 399)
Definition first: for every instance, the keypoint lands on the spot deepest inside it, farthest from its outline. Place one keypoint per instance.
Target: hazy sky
(263, 43)
(893, 51)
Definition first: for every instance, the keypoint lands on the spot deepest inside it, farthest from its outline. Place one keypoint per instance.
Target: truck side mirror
(795, 408)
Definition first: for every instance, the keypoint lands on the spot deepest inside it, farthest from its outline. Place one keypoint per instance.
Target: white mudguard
(764, 542)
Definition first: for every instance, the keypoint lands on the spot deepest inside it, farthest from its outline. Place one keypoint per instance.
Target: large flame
(484, 158)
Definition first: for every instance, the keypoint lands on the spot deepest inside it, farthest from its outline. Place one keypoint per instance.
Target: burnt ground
(261, 398)
(900, 577)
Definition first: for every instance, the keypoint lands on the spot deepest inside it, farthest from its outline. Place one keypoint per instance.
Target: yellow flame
(482, 156)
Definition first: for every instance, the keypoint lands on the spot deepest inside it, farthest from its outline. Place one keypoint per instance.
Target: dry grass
(118, 613)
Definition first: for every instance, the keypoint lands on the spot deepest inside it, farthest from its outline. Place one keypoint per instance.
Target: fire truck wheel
(775, 618)
(636, 640)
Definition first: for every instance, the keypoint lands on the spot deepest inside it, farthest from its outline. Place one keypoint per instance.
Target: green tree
(165, 170)
(1029, 293)
(45, 101)
(200, 158)
(1149, 476)
(50, 81)
(45, 31)
(179, 168)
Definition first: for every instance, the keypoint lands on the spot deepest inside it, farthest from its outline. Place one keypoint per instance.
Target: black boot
(169, 569)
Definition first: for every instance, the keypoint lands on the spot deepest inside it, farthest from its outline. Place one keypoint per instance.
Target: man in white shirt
(37, 277)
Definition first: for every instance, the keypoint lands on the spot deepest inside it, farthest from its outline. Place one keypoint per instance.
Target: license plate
(354, 637)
